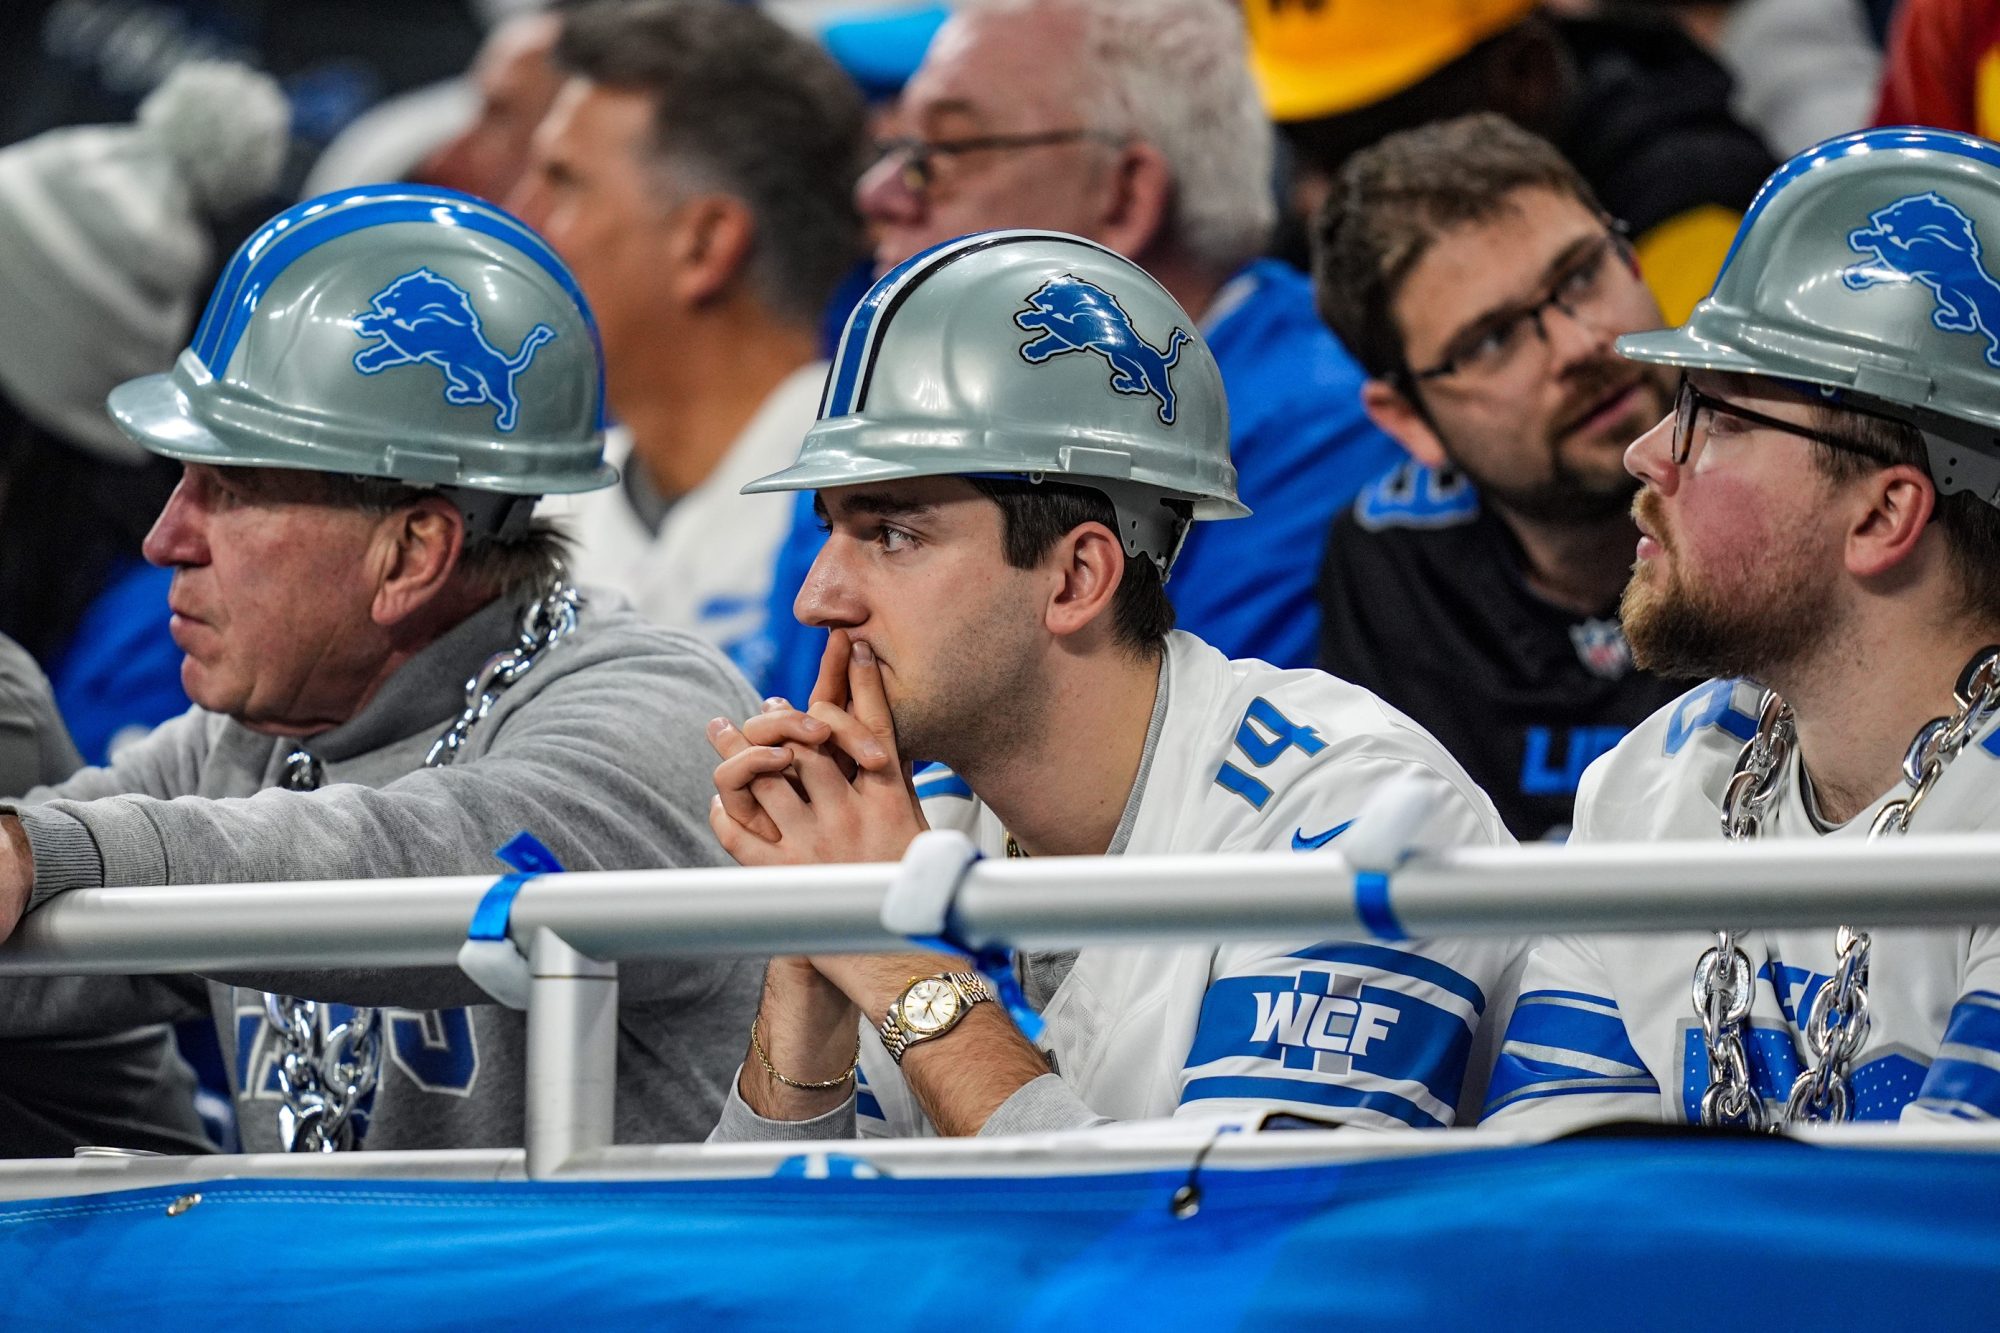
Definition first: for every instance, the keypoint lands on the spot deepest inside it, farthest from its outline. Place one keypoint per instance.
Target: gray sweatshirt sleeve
(1042, 1106)
(740, 1124)
(607, 763)
(35, 747)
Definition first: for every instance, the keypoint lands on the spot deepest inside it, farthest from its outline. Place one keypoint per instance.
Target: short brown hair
(1036, 515)
(1392, 201)
(1971, 525)
(763, 112)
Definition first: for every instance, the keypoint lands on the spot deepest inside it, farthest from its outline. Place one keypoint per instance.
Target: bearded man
(1819, 533)
(1475, 587)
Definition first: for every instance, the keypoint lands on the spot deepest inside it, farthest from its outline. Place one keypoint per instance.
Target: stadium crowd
(694, 433)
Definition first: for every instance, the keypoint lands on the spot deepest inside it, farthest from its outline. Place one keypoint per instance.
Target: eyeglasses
(1690, 403)
(1498, 346)
(919, 169)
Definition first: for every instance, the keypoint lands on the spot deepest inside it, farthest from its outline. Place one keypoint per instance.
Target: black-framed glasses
(1690, 403)
(1495, 346)
(919, 170)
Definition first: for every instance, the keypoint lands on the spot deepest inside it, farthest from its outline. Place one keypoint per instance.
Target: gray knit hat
(104, 241)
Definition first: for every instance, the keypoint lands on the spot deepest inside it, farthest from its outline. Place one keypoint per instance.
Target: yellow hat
(1316, 58)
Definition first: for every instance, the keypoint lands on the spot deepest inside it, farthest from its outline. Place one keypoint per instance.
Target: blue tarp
(1583, 1235)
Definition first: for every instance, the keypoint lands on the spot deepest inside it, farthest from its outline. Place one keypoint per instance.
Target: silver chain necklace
(324, 1077)
(1837, 1025)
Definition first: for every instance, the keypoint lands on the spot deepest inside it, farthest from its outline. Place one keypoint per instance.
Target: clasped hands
(819, 786)
(808, 788)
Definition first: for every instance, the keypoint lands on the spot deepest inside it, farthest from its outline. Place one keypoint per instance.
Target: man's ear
(709, 245)
(1089, 563)
(415, 553)
(1139, 195)
(1403, 421)
(1894, 512)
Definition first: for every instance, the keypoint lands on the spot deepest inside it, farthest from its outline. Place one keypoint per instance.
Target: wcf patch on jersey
(1320, 1021)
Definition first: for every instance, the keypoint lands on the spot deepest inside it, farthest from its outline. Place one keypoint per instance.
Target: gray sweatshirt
(64, 1087)
(599, 751)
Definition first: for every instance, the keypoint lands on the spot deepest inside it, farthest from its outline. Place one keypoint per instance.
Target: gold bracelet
(764, 1059)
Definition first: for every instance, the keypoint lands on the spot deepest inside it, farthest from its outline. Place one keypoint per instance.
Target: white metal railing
(577, 927)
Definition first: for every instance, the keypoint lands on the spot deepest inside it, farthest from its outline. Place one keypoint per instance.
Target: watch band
(897, 1039)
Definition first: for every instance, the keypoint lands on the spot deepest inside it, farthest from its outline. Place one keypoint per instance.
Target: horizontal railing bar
(1045, 903)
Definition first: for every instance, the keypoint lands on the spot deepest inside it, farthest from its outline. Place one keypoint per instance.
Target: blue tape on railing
(529, 858)
(995, 963)
(1371, 904)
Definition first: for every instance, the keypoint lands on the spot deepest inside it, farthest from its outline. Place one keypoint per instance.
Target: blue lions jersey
(1303, 449)
(1357, 1031)
(1606, 1028)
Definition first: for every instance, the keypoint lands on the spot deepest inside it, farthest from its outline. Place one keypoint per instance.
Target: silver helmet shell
(403, 332)
(1028, 354)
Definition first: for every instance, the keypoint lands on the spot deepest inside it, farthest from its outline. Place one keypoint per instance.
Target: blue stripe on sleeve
(1964, 1082)
(1396, 960)
(1975, 1021)
(1554, 1048)
(865, 1104)
(1590, 1032)
(1317, 1094)
(1967, 1070)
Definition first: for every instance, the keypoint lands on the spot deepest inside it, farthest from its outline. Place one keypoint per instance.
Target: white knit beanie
(104, 236)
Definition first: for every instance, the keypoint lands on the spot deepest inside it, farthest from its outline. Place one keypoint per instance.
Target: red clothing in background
(1943, 67)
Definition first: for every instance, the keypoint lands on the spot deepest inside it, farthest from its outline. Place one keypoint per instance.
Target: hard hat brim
(830, 468)
(154, 411)
(1686, 350)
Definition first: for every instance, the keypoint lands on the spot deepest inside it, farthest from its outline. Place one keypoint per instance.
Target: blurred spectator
(1943, 67)
(1476, 588)
(66, 62)
(104, 243)
(516, 80)
(1636, 105)
(470, 133)
(697, 173)
(1804, 70)
(1135, 126)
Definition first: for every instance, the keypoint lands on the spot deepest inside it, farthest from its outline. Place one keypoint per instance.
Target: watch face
(929, 1006)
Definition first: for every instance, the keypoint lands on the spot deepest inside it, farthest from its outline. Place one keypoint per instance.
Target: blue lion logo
(422, 317)
(1072, 315)
(1925, 238)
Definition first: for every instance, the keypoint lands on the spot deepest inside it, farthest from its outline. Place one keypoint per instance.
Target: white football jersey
(1606, 1026)
(1250, 757)
(708, 568)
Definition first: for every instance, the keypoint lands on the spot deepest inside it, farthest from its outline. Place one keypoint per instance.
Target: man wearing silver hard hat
(1820, 537)
(391, 674)
(1018, 429)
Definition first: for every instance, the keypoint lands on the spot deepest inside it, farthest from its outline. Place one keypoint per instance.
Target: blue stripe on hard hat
(854, 362)
(1848, 145)
(845, 376)
(305, 227)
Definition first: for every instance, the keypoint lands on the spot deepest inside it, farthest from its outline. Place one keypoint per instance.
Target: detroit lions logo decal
(1072, 315)
(1925, 238)
(421, 317)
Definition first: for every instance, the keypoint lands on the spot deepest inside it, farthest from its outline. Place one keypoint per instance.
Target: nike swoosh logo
(1301, 843)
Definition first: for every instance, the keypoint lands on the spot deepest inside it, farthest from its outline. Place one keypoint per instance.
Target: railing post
(572, 1053)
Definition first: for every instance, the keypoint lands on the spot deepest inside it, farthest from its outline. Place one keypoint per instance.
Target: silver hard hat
(1859, 272)
(1028, 354)
(392, 331)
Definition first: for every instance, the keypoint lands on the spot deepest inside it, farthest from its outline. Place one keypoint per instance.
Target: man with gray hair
(696, 173)
(1137, 126)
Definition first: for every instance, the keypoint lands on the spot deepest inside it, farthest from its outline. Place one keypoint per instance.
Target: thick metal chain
(1836, 1027)
(324, 1077)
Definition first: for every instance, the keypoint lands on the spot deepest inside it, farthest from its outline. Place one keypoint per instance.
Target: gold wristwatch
(929, 1007)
